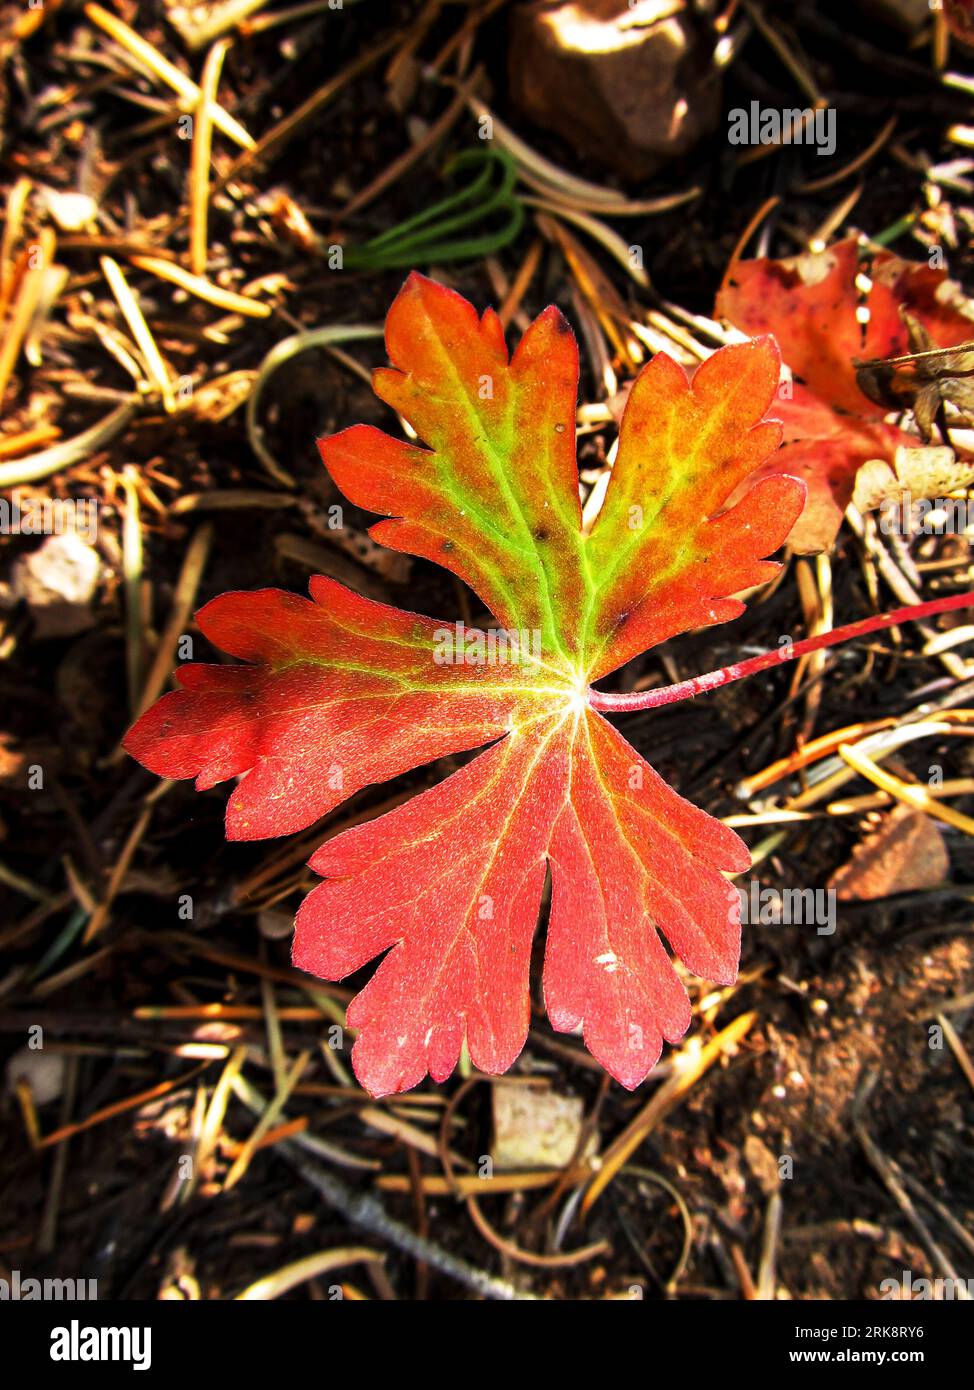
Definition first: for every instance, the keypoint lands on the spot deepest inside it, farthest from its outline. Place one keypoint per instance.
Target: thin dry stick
(565, 1260)
(744, 1276)
(849, 806)
(898, 582)
(51, 984)
(215, 1112)
(409, 1134)
(262, 22)
(47, 1235)
(469, 26)
(854, 165)
(815, 591)
(272, 1028)
(519, 285)
(959, 1232)
(766, 207)
(468, 1184)
(15, 445)
(28, 1110)
(810, 752)
(225, 1013)
(786, 54)
(819, 239)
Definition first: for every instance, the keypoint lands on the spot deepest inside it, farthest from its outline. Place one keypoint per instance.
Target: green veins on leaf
(338, 692)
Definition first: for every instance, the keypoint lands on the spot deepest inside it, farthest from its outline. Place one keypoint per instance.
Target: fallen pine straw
(118, 1107)
(140, 330)
(203, 289)
(267, 1119)
(199, 168)
(908, 792)
(187, 586)
(160, 67)
(957, 1047)
(365, 1211)
(310, 1267)
(471, 1185)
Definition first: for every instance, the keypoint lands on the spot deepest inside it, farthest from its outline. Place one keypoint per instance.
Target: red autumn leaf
(812, 304)
(960, 19)
(340, 691)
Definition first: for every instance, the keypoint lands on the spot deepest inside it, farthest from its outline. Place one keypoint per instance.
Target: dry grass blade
(13, 225)
(15, 445)
(203, 288)
(611, 241)
(838, 772)
(267, 1119)
(767, 1282)
(69, 451)
(231, 499)
(854, 165)
(36, 260)
(471, 1184)
(217, 19)
(199, 169)
(215, 1114)
(119, 1107)
(132, 313)
(311, 1143)
(816, 748)
(273, 1031)
(100, 916)
(132, 569)
(283, 352)
(558, 184)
